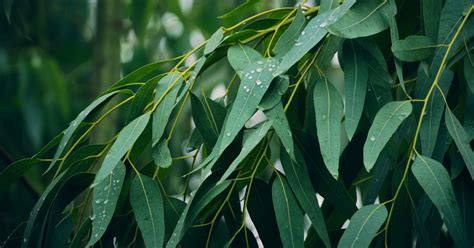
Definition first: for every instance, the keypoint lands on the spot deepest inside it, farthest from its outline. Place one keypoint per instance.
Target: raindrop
(258, 82)
(270, 69)
(260, 62)
(298, 44)
(324, 117)
(302, 33)
(252, 71)
(105, 202)
(24, 240)
(372, 138)
(259, 69)
(250, 77)
(323, 25)
(93, 217)
(98, 201)
(227, 134)
(247, 90)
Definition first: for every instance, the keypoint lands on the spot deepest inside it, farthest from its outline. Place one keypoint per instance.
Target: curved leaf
(363, 226)
(366, 17)
(241, 56)
(288, 214)
(104, 201)
(461, 139)
(328, 108)
(147, 205)
(214, 41)
(413, 48)
(435, 181)
(386, 122)
(124, 142)
(356, 75)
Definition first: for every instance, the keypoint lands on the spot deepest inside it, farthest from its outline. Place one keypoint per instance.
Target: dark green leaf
(282, 128)
(363, 226)
(147, 205)
(435, 181)
(287, 39)
(165, 96)
(386, 122)
(104, 200)
(162, 155)
(124, 142)
(328, 108)
(413, 48)
(288, 214)
(241, 56)
(299, 181)
(365, 18)
(461, 139)
(356, 75)
(214, 41)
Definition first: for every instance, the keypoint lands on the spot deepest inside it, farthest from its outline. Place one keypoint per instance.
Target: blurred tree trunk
(107, 65)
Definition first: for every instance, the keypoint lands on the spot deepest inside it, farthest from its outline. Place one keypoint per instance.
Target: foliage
(388, 148)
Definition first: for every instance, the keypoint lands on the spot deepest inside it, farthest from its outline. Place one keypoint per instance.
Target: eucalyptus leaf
(147, 205)
(461, 139)
(288, 214)
(363, 226)
(356, 75)
(162, 155)
(104, 200)
(121, 146)
(328, 108)
(386, 122)
(435, 181)
(413, 48)
(214, 41)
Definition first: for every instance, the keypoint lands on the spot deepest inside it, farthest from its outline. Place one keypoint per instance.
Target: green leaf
(147, 205)
(299, 181)
(257, 78)
(429, 129)
(287, 39)
(431, 10)
(75, 124)
(214, 41)
(461, 139)
(162, 155)
(365, 18)
(239, 9)
(435, 181)
(413, 48)
(363, 226)
(241, 56)
(104, 201)
(356, 75)
(165, 96)
(125, 140)
(288, 214)
(252, 138)
(208, 117)
(328, 108)
(386, 122)
(282, 128)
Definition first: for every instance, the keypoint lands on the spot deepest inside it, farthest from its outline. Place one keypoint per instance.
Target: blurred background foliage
(56, 56)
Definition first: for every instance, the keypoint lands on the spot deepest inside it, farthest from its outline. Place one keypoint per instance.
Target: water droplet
(298, 44)
(302, 33)
(323, 25)
(250, 77)
(105, 202)
(259, 70)
(372, 138)
(98, 201)
(227, 134)
(258, 82)
(324, 117)
(270, 69)
(24, 240)
(96, 235)
(247, 90)
(252, 71)
(260, 62)
(93, 217)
